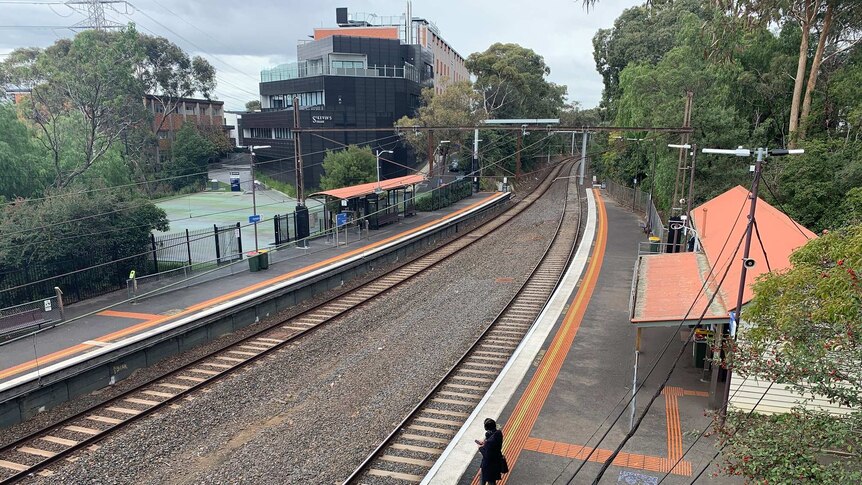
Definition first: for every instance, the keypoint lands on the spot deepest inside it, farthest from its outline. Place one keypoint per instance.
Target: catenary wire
(655, 363)
(147, 252)
(661, 387)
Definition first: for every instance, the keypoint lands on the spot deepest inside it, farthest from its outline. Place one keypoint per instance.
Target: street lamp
(735, 316)
(379, 152)
(251, 150)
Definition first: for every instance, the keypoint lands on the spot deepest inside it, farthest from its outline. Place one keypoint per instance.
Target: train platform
(96, 324)
(572, 375)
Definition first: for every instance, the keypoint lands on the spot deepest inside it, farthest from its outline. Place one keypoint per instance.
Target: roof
(675, 279)
(369, 188)
(728, 214)
(665, 284)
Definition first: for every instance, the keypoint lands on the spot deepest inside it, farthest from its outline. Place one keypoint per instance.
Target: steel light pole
(761, 153)
(251, 150)
(380, 152)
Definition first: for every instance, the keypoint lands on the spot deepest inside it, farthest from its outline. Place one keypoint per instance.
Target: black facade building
(341, 81)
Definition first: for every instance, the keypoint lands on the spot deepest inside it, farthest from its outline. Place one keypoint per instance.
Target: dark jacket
(492, 455)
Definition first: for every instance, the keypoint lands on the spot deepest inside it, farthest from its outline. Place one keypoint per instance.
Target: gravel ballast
(313, 411)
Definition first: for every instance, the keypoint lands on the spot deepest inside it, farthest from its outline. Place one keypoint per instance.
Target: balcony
(303, 70)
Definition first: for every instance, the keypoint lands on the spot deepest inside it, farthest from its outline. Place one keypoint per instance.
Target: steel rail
(376, 465)
(173, 385)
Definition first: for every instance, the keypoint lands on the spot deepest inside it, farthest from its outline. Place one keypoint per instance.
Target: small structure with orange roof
(700, 288)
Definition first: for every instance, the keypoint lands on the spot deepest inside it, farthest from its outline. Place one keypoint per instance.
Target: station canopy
(361, 190)
(665, 285)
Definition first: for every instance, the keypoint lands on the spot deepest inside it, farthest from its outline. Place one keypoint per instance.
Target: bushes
(444, 196)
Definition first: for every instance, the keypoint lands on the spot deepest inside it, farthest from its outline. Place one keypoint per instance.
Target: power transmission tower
(95, 12)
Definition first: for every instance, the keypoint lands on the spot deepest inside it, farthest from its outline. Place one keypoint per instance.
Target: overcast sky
(241, 37)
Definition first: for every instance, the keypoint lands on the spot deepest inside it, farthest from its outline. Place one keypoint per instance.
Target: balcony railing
(302, 70)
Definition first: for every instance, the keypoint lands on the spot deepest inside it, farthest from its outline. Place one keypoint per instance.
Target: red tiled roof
(666, 284)
(781, 235)
(674, 280)
(369, 188)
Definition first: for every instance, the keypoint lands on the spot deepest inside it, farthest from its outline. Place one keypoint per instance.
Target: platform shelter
(676, 289)
(379, 203)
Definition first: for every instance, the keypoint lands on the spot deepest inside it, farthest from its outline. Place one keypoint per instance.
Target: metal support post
(59, 294)
(584, 137)
(474, 168)
(253, 198)
(518, 155)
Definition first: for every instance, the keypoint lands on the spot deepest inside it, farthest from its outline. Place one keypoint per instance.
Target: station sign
(254, 219)
(340, 219)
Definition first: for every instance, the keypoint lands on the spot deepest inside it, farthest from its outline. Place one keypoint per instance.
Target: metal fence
(285, 225)
(171, 251)
(79, 279)
(640, 203)
(30, 315)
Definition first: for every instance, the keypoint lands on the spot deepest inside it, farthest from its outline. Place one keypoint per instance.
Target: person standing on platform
(492, 453)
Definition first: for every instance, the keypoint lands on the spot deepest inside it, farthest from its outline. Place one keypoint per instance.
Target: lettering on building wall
(320, 119)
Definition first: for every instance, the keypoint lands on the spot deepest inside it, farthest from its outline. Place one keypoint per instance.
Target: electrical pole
(301, 213)
(724, 333)
(518, 155)
(475, 165)
(95, 12)
(683, 152)
(253, 198)
(584, 137)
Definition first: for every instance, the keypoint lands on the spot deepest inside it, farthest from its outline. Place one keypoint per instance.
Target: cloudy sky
(241, 37)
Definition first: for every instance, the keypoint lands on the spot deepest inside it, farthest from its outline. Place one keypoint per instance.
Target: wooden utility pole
(679, 184)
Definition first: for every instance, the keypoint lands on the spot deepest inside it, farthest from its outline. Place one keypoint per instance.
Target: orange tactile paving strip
(79, 348)
(520, 424)
(623, 459)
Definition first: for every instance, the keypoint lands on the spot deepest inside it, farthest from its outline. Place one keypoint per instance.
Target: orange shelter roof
(373, 32)
(728, 214)
(675, 279)
(364, 189)
(666, 284)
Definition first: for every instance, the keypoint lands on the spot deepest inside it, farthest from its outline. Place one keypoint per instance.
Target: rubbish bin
(699, 353)
(253, 261)
(214, 184)
(654, 244)
(263, 258)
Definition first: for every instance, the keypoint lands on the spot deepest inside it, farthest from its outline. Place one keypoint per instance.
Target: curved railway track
(410, 451)
(35, 452)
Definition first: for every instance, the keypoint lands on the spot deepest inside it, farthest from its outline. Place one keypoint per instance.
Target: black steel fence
(79, 279)
(285, 225)
(85, 278)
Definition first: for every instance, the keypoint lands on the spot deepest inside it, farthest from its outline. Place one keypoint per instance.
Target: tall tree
(89, 80)
(458, 105)
(24, 173)
(513, 84)
(253, 105)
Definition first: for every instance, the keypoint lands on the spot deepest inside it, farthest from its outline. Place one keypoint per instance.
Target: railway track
(410, 451)
(34, 453)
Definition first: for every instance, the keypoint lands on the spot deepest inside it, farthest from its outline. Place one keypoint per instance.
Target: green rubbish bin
(253, 261)
(263, 258)
(654, 244)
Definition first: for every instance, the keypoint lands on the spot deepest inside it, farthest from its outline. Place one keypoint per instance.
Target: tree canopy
(512, 82)
(351, 166)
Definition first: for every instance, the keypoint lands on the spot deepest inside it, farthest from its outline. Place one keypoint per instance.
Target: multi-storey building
(204, 113)
(360, 74)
